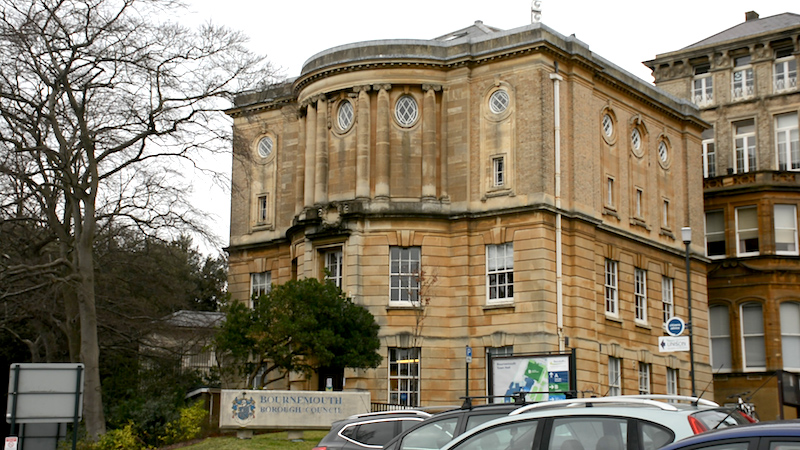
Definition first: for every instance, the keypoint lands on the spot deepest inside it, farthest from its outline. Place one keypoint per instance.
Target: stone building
(744, 80)
(510, 191)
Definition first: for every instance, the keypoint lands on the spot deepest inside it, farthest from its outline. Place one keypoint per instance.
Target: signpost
(45, 393)
(675, 326)
(468, 359)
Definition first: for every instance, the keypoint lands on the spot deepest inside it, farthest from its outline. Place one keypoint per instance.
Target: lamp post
(686, 234)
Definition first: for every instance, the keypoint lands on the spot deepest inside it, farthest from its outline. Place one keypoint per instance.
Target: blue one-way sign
(675, 326)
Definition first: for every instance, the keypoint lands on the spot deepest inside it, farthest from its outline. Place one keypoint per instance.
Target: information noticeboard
(547, 377)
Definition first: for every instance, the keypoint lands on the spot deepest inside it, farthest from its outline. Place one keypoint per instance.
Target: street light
(686, 234)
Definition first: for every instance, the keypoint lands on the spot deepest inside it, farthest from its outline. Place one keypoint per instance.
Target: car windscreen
(720, 418)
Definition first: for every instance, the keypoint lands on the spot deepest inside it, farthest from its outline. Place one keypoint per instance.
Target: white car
(606, 423)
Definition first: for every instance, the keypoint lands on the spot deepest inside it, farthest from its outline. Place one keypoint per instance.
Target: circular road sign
(675, 326)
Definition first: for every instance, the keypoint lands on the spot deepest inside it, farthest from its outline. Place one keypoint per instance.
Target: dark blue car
(779, 435)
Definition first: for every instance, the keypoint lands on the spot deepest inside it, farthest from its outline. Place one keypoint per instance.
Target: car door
(518, 435)
(431, 435)
(374, 434)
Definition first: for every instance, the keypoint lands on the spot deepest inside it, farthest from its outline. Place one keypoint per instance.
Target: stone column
(321, 171)
(384, 117)
(310, 154)
(429, 153)
(363, 144)
(443, 180)
(299, 170)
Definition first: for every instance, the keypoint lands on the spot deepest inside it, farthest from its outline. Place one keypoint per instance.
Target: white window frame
(404, 271)
(754, 336)
(260, 284)
(345, 115)
(638, 202)
(787, 142)
(672, 381)
(785, 218)
(715, 233)
(500, 273)
(744, 86)
(406, 111)
(743, 234)
(614, 376)
(608, 125)
(786, 80)
(611, 286)
(744, 147)
(499, 101)
(610, 192)
(262, 208)
(703, 89)
(498, 171)
(404, 375)
(644, 378)
(640, 295)
(333, 260)
(720, 337)
(790, 335)
(667, 299)
(709, 158)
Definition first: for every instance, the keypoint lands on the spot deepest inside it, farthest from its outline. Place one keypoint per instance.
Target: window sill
(498, 192)
(668, 233)
(637, 222)
(262, 226)
(612, 318)
(503, 305)
(609, 211)
(644, 325)
(403, 307)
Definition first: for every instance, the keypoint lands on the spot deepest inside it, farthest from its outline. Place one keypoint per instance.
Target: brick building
(539, 189)
(744, 79)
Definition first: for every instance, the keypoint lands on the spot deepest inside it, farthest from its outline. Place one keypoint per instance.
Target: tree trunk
(72, 323)
(90, 350)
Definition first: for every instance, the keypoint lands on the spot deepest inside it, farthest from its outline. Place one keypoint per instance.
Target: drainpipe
(557, 138)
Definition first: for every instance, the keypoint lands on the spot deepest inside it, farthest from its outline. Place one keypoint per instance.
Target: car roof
(639, 407)
(380, 416)
(626, 401)
(780, 428)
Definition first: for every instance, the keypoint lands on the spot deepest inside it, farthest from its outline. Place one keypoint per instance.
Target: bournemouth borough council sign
(298, 410)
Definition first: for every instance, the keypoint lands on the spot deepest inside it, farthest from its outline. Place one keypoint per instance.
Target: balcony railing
(748, 180)
(785, 83)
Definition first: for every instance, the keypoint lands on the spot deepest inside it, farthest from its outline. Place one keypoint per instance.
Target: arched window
(753, 336)
(720, 324)
(790, 334)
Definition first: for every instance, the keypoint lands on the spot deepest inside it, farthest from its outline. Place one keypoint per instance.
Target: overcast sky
(625, 32)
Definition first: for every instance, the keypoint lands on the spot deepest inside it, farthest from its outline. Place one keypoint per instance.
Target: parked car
(436, 431)
(780, 435)
(606, 423)
(369, 431)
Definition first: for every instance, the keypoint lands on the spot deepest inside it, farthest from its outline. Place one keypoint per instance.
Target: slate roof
(751, 28)
(474, 30)
(195, 319)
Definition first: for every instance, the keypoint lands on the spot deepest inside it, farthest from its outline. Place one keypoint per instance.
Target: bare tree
(101, 103)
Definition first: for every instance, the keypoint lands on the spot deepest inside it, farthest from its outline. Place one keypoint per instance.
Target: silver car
(607, 423)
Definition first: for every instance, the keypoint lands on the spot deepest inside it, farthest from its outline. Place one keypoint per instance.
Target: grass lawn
(265, 441)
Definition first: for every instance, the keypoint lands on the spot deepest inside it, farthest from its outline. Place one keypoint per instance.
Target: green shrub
(124, 438)
(190, 425)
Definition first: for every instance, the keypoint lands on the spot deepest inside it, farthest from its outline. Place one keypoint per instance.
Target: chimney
(750, 15)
